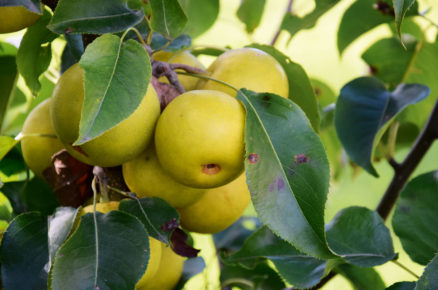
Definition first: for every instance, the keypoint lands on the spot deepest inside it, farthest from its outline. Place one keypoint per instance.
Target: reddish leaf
(178, 243)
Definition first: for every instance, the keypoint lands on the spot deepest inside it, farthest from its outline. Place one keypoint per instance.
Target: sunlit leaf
(250, 12)
(201, 15)
(168, 17)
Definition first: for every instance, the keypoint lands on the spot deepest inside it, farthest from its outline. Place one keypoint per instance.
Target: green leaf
(250, 12)
(109, 254)
(168, 17)
(402, 286)
(24, 253)
(293, 23)
(429, 279)
(364, 110)
(300, 88)
(414, 67)
(6, 145)
(157, 216)
(13, 165)
(97, 16)
(287, 171)
(31, 5)
(30, 195)
(35, 52)
(8, 77)
(400, 9)
(117, 75)
(72, 52)
(261, 277)
(192, 267)
(295, 267)
(201, 15)
(415, 218)
(233, 237)
(60, 225)
(361, 278)
(160, 42)
(359, 236)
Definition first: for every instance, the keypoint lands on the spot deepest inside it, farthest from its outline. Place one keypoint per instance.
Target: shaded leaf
(24, 253)
(300, 88)
(201, 15)
(72, 52)
(361, 278)
(287, 171)
(364, 110)
(31, 5)
(157, 216)
(13, 163)
(35, 52)
(6, 145)
(92, 260)
(117, 75)
(296, 268)
(359, 236)
(233, 237)
(192, 267)
(179, 244)
(261, 277)
(168, 17)
(415, 218)
(160, 42)
(429, 279)
(400, 9)
(402, 286)
(70, 179)
(98, 16)
(8, 79)
(250, 12)
(60, 226)
(293, 23)
(30, 195)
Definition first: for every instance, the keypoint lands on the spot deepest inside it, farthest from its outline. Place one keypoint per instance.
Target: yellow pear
(154, 245)
(14, 18)
(199, 138)
(248, 68)
(218, 208)
(121, 143)
(38, 145)
(169, 271)
(146, 178)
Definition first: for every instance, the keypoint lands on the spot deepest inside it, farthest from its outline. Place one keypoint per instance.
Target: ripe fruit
(146, 178)
(121, 143)
(199, 138)
(154, 245)
(185, 57)
(169, 271)
(38, 148)
(218, 208)
(14, 18)
(248, 68)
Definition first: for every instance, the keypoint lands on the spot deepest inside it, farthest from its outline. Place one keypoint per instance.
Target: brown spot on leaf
(373, 69)
(170, 225)
(211, 169)
(266, 98)
(318, 91)
(384, 8)
(253, 158)
(301, 158)
(276, 184)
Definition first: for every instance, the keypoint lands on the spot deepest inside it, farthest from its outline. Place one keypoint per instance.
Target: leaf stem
(277, 34)
(405, 268)
(96, 235)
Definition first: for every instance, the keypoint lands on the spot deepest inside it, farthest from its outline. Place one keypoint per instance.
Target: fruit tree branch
(277, 34)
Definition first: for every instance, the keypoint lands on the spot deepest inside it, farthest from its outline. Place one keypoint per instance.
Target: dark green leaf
(233, 237)
(293, 23)
(359, 236)
(250, 12)
(113, 257)
(32, 195)
(261, 277)
(429, 279)
(400, 9)
(181, 42)
(13, 163)
(208, 51)
(300, 88)
(295, 267)
(157, 216)
(6, 145)
(97, 16)
(73, 51)
(35, 52)
(363, 112)
(31, 5)
(115, 84)
(192, 267)
(361, 278)
(168, 17)
(60, 226)
(8, 79)
(287, 171)
(201, 15)
(24, 253)
(402, 286)
(415, 218)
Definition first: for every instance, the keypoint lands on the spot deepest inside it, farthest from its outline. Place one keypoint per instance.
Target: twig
(277, 34)
(405, 268)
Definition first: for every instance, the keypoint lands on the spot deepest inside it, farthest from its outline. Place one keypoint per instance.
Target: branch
(277, 34)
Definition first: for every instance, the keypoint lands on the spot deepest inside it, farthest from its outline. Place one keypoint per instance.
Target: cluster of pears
(191, 154)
